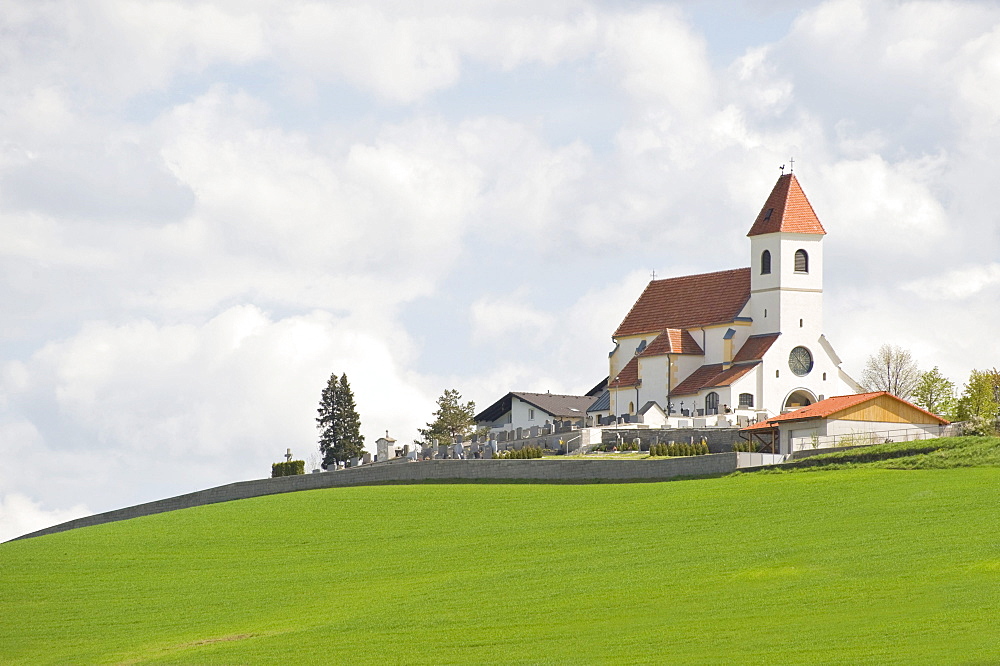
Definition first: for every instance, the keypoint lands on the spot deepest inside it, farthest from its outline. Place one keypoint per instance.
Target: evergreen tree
(338, 422)
(451, 418)
(352, 442)
(328, 421)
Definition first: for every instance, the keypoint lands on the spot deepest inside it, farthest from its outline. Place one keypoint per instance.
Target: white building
(748, 340)
(847, 420)
(519, 409)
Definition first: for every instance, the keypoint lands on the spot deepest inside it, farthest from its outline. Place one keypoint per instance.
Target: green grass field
(859, 564)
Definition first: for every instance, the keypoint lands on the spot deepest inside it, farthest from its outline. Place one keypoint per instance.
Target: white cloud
(20, 515)
(180, 404)
(883, 209)
(498, 319)
(955, 285)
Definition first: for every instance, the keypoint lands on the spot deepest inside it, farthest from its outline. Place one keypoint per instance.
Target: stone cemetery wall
(720, 440)
(550, 470)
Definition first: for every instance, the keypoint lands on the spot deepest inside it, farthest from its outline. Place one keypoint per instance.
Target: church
(728, 348)
(746, 341)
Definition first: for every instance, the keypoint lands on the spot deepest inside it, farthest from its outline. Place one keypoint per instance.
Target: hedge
(288, 468)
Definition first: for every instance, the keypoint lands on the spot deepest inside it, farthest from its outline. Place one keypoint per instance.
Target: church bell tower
(786, 264)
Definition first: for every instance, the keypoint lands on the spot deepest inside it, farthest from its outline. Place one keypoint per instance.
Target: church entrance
(798, 398)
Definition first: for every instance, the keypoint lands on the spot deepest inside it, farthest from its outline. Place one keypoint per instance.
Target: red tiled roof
(688, 302)
(832, 405)
(787, 209)
(629, 375)
(755, 347)
(711, 376)
(673, 341)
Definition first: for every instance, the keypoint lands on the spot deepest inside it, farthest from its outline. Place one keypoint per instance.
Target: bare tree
(891, 369)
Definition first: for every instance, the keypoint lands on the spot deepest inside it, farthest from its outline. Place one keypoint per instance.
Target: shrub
(291, 468)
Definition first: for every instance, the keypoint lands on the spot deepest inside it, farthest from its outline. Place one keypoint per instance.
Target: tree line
(339, 424)
(894, 370)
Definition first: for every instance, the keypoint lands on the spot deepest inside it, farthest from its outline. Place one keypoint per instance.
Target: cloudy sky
(206, 208)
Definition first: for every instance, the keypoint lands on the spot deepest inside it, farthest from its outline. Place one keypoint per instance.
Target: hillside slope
(853, 565)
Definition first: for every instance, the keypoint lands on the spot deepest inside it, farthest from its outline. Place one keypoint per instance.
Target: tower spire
(787, 209)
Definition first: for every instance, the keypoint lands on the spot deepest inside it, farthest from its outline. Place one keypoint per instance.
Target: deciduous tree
(980, 402)
(891, 369)
(451, 418)
(936, 394)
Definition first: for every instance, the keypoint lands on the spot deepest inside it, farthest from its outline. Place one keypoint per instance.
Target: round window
(800, 361)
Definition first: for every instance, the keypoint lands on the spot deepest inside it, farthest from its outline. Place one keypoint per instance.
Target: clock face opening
(800, 361)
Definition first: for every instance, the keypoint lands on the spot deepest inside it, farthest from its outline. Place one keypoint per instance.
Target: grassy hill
(858, 564)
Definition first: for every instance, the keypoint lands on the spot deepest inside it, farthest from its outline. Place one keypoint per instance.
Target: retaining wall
(720, 440)
(548, 470)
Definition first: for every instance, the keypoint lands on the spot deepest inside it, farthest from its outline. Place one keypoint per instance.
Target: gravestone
(517, 433)
(459, 450)
(355, 461)
(368, 458)
(534, 431)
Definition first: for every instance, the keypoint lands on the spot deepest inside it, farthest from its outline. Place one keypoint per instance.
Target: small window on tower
(765, 262)
(801, 261)
(531, 415)
(800, 323)
(767, 215)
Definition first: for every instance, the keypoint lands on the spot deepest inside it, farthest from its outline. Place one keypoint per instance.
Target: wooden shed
(846, 420)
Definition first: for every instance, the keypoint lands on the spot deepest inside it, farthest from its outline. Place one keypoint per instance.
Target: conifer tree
(338, 422)
(451, 418)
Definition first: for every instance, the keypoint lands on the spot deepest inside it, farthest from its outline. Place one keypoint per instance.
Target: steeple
(787, 209)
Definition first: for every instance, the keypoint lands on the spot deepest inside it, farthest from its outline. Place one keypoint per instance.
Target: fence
(870, 437)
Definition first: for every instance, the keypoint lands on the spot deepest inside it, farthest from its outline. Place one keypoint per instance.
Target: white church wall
(812, 245)
(653, 371)
(625, 351)
(625, 400)
(825, 379)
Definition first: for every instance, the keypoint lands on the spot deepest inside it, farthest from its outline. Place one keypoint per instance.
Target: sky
(207, 208)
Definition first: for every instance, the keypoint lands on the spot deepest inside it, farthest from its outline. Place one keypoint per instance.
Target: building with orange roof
(846, 420)
(748, 341)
